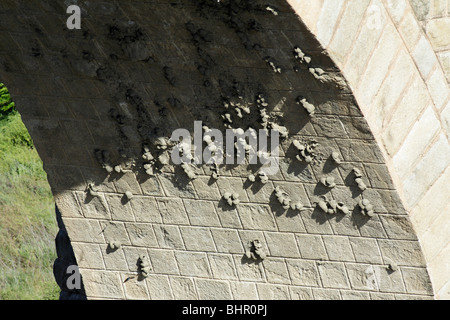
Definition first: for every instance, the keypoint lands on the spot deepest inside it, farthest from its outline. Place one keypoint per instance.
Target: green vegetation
(6, 104)
(27, 218)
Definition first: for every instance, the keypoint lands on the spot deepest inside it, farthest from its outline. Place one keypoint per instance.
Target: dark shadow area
(168, 84)
(321, 217)
(66, 277)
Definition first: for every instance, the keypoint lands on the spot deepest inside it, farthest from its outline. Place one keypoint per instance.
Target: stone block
(172, 211)
(438, 87)
(228, 216)
(378, 65)
(163, 261)
(444, 292)
(316, 221)
(388, 281)
(175, 186)
(417, 140)
(354, 295)
(444, 58)
(417, 281)
(396, 8)
(437, 31)
(84, 230)
(258, 192)
(424, 56)
(102, 284)
(372, 228)
(333, 275)
(115, 231)
(326, 294)
(362, 277)
(243, 290)
(329, 127)
(248, 270)
(381, 296)
(227, 240)
(63, 178)
(150, 186)
(364, 45)
(256, 217)
(213, 289)
(159, 287)
(127, 182)
(168, 237)
(439, 269)
(233, 185)
(132, 255)
(360, 151)
(88, 255)
(300, 293)
(268, 291)
(282, 245)
(120, 210)
(385, 201)
(445, 117)
(68, 205)
(99, 178)
(295, 190)
(114, 259)
(293, 170)
(276, 271)
(421, 8)
(201, 213)
(347, 28)
(410, 30)
(291, 221)
(303, 272)
(427, 171)
(386, 99)
(402, 252)
(193, 264)
(434, 201)
(356, 127)
(134, 289)
(206, 188)
(183, 288)
(198, 239)
(222, 266)
(344, 225)
(436, 237)
(145, 209)
(415, 99)
(311, 247)
(398, 227)
(338, 248)
(349, 195)
(366, 250)
(328, 19)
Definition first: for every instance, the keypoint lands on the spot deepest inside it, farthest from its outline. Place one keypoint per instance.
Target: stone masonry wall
(400, 86)
(101, 103)
(434, 17)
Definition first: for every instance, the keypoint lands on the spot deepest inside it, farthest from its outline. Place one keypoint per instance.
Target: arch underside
(96, 100)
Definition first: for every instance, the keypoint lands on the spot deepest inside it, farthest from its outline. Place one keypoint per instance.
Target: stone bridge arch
(98, 101)
(401, 88)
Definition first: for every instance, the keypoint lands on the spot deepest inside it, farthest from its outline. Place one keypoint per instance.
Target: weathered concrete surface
(135, 72)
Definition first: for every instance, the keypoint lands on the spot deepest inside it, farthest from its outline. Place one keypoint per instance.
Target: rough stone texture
(135, 72)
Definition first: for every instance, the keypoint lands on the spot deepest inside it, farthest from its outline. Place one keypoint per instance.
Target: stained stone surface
(96, 100)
